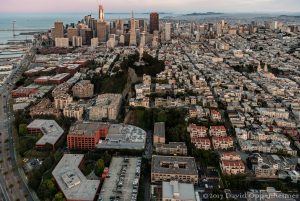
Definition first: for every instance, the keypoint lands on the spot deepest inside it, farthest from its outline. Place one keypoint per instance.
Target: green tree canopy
(99, 167)
(23, 129)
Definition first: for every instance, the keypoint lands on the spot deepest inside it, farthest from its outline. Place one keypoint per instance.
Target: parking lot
(122, 181)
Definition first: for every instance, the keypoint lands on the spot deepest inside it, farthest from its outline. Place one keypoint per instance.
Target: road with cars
(13, 184)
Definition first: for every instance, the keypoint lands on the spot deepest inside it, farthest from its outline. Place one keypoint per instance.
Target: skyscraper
(101, 13)
(132, 40)
(154, 22)
(168, 27)
(143, 39)
(101, 31)
(101, 26)
(58, 30)
(72, 32)
(120, 25)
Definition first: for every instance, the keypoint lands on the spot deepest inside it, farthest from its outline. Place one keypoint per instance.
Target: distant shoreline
(204, 14)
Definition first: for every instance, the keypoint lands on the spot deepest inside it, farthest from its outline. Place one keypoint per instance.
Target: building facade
(85, 135)
(154, 22)
(83, 89)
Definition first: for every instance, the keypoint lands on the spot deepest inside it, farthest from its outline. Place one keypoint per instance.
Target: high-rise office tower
(72, 32)
(101, 26)
(88, 36)
(120, 25)
(154, 22)
(132, 40)
(101, 13)
(168, 27)
(137, 24)
(141, 25)
(155, 39)
(143, 39)
(111, 43)
(219, 28)
(101, 31)
(122, 39)
(77, 41)
(94, 42)
(58, 30)
(93, 26)
(87, 19)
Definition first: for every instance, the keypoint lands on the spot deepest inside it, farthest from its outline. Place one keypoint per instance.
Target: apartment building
(179, 168)
(44, 108)
(215, 115)
(107, 107)
(217, 131)
(159, 133)
(73, 110)
(231, 163)
(173, 148)
(197, 131)
(268, 166)
(222, 142)
(202, 143)
(83, 89)
(61, 101)
(144, 102)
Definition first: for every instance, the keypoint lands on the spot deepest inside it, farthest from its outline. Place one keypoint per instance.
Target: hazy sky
(150, 5)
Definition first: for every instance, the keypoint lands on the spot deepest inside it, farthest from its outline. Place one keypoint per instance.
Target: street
(13, 186)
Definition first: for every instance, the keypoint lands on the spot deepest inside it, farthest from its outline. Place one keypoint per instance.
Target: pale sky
(150, 5)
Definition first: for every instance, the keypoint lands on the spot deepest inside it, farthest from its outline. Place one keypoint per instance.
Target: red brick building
(23, 92)
(85, 135)
(42, 80)
(59, 78)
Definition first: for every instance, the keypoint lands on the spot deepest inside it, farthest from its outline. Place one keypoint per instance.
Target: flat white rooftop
(50, 129)
(123, 136)
(72, 182)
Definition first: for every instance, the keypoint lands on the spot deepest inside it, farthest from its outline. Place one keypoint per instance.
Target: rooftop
(50, 129)
(174, 165)
(159, 129)
(122, 136)
(173, 145)
(87, 128)
(71, 181)
(178, 191)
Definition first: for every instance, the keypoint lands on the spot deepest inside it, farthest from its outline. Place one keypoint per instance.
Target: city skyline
(175, 6)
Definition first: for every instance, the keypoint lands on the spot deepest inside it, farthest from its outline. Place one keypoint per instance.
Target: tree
(47, 189)
(25, 144)
(47, 164)
(162, 116)
(23, 129)
(48, 147)
(34, 179)
(99, 167)
(106, 158)
(88, 168)
(59, 197)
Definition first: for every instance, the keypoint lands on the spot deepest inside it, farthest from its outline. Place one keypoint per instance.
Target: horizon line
(160, 12)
